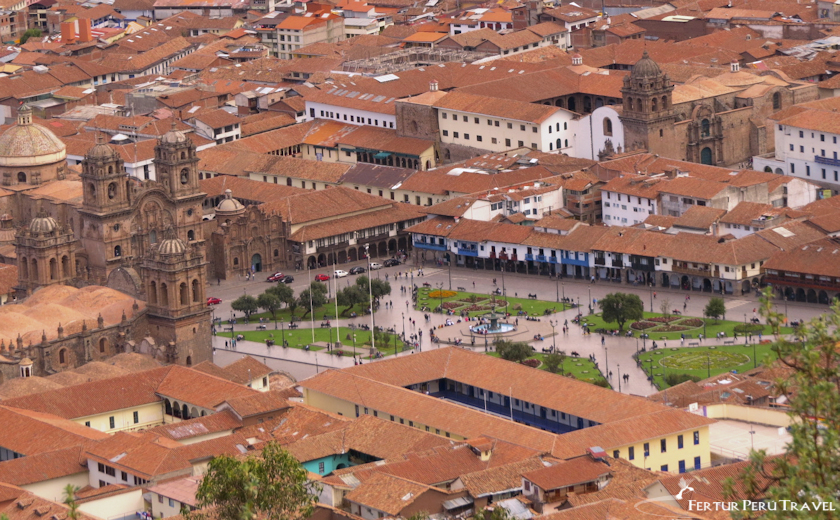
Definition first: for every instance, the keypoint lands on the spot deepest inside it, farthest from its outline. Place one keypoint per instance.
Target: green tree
(30, 33)
(351, 296)
(379, 288)
(675, 379)
(513, 350)
(715, 308)
(554, 361)
(283, 292)
(498, 513)
(621, 307)
(318, 292)
(70, 501)
(665, 307)
(270, 303)
(271, 485)
(245, 303)
(809, 471)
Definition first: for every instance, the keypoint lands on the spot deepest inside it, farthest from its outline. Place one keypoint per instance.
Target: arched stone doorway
(311, 262)
(685, 284)
(392, 246)
(383, 249)
(706, 156)
(823, 297)
(800, 295)
(361, 253)
(256, 263)
(707, 285)
(322, 260)
(812, 296)
(401, 244)
(352, 255)
(342, 257)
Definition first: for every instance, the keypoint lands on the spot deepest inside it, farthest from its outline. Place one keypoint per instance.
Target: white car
(374, 266)
(340, 274)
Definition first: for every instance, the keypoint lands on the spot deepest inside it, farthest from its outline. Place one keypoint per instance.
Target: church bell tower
(648, 116)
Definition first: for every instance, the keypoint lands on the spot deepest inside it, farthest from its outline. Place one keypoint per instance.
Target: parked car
(391, 262)
(340, 274)
(357, 270)
(287, 279)
(321, 278)
(276, 277)
(374, 266)
(213, 301)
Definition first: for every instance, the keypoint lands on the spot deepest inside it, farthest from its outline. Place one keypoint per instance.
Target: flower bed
(442, 294)
(642, 325)
(692, 322)
(452, 305)
(663, 319)
(533, 363)
(670, 328)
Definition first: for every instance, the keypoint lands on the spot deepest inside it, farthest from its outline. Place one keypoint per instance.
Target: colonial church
(143, 239)
(710, 120)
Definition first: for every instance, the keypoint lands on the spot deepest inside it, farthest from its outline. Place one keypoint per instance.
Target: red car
(213, 301)
(322, 278)
(276, 277)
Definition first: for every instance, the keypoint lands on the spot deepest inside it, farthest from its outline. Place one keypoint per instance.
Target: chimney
(734, 66)
(85, 33)
(68, 32)
(433, 85)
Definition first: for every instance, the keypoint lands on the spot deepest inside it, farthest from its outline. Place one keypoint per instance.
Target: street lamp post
(590, 301)
(708, 364)
(282, 332)
(440, 291)
(354, 346)
(618, 371)
(755, 361)
(450, 271)
(564, 296)
(403, 317)
(553, 335)
(607, 361)
(370, 295)
(650, 288)
(557, 286)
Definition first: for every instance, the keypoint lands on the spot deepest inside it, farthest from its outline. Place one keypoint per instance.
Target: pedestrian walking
(473, 285)
(226, 344)
(654, 294)
(602, 340)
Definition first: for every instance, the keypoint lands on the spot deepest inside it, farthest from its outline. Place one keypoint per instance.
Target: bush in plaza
(745, 329)
(533, 363)
(642, 325)
(692, 322)
(442, 294)
(675, 379)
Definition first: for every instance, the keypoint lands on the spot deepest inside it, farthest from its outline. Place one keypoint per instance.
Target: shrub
(670, 328)
(517, 307)
(642, 325)
(442, 294)
(663, 319)
(675, 379)
(533, 363)
(754, 328)
(602, 383)
(692, 322)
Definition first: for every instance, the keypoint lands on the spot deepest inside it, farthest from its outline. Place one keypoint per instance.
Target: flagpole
(311, 310)
(335, 295)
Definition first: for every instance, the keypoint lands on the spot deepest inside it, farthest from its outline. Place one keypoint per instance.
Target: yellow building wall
(122, 504)
(673, 455)
(148, 415)
(53, 489)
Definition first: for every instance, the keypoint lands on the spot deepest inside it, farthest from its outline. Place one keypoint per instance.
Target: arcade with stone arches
(385, 248)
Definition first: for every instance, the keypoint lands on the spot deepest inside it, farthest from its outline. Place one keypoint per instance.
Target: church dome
(101, 150)
(645, 67)
(42, 224)
(28, 144)
(173, 136)
(171, 245)
(229, 205)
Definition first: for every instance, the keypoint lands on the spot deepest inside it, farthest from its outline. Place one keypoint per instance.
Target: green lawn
(477, 304)
(713, 327)
(694, 360)
(299, 338)
(579, 368)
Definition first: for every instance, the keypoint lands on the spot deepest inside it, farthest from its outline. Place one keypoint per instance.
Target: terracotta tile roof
(337, 96)
(39, 467)
(520, 111)
(376, 437)
(699, 217)
(189, 386)
(626, 484)
(17, 504)
(819, 258)
(386, 493)
(217, 118)
(21, 386)
(395, 214)
(272, 122)
(322, 204)
(30, 432)
(246, 369)
(256, 404)
(637, 186)
(199, 426)
(579, 470)
(499, 479)
(387, 177)
(492, 374)
(247, 189)
(294, 423)
(570, 13)
(791, 235)
(97, 396)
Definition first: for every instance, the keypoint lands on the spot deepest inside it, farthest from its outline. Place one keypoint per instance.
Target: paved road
(615, 355)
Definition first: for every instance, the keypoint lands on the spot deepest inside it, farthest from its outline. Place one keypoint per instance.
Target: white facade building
(495, 125)
(595, 129)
